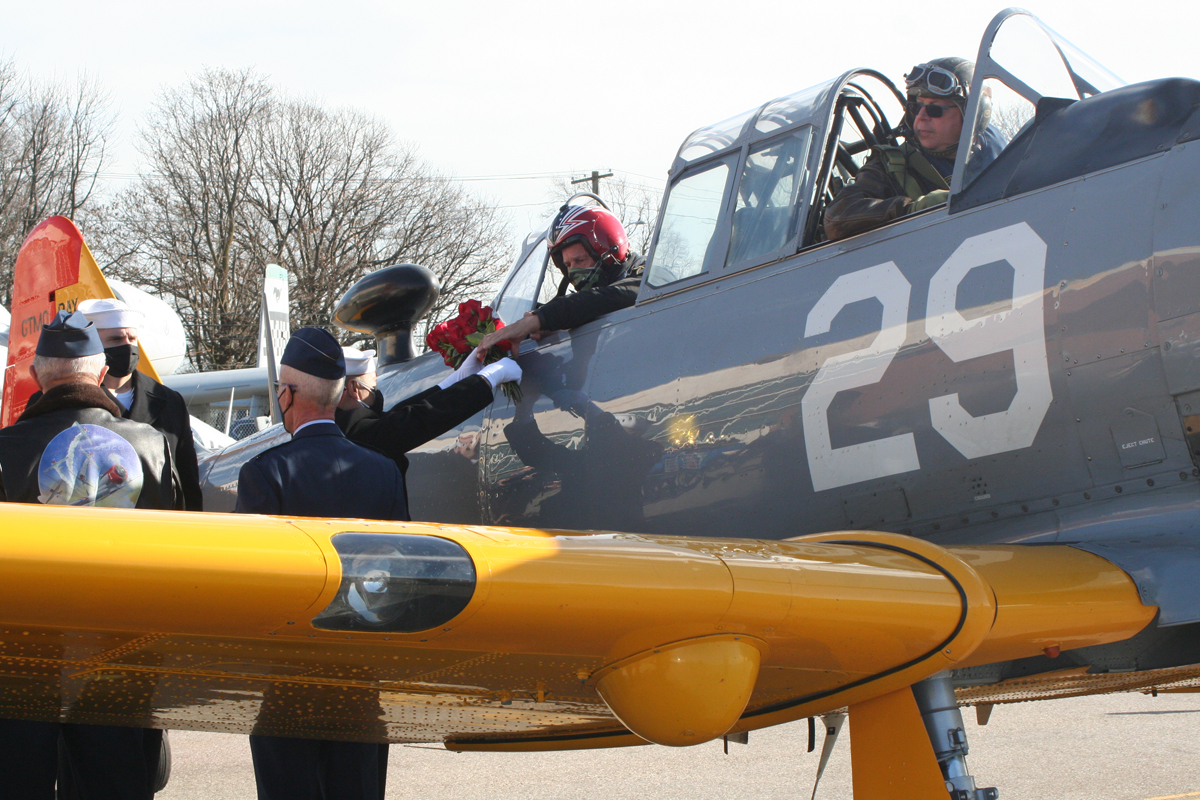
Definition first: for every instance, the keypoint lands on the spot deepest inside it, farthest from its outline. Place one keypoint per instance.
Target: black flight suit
(38, 463)
(572, 310)
(319, 473)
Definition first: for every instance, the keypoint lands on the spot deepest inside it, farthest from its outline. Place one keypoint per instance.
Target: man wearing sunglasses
(904, 179)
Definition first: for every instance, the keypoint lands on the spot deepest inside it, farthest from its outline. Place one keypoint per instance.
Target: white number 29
(1020, 328)
(832, 467)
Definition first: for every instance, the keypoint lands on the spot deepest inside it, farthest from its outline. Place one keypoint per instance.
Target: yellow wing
(504, 638)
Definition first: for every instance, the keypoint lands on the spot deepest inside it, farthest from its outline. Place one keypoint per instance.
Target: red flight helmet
(597, 229)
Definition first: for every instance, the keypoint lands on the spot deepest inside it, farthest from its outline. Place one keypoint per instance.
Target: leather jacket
(874, 198)
(71, 447)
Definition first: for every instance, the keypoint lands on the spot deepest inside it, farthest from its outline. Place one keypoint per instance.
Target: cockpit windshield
(714, 137)
(1022, 61)
(1045, 62)
(754, 188)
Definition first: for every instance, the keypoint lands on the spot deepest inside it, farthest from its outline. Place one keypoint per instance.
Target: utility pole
(594, 179)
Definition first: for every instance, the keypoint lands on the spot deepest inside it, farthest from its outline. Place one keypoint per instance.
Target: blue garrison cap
(69, 335)
(315, 352)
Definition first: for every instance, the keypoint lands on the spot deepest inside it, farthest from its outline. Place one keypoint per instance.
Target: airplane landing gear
(944, 722)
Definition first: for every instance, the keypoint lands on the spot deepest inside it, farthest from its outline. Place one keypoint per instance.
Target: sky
(506, 96)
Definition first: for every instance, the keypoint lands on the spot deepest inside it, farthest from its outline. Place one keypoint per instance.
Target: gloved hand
(934, 198)
(469, 367)
(501, 371)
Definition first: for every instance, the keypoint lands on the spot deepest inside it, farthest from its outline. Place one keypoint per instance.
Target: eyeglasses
(932, 109)
(939, 81)
(278, 385)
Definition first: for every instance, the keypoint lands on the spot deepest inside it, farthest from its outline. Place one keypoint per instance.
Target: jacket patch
(87, 465)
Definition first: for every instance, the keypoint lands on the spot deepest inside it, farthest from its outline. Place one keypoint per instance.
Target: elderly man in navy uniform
(142, 398)
(362, 382)
(71, 447)
(319, 473)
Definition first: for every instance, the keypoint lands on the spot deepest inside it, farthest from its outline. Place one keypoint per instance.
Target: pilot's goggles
(937, 80)
(932, 109)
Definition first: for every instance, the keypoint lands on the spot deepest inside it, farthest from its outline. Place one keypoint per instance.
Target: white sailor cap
(358, 362)
(111, 313)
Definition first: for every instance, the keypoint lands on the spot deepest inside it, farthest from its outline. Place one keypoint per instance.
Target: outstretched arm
(528, 325)
(416, 420)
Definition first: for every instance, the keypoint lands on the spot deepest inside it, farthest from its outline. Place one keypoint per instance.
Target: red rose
(433, 339)
(450, 338)
(469, 311)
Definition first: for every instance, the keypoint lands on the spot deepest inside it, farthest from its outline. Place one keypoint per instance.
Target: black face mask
(283, 411)
(376, 403)
(122, 360)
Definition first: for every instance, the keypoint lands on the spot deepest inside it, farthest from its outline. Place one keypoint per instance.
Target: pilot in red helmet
(590, 249)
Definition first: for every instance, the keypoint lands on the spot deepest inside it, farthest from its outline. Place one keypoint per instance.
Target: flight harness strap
(898, 160)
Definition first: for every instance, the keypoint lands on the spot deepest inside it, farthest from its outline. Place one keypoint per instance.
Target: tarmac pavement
(1114, 747)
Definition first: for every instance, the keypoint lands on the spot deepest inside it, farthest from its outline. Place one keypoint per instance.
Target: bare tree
(465, 241)
(189, 215)
(1009, 118)
(54, 142)
(11, 219)
(320, 201)
(338, 198)
(242, 178)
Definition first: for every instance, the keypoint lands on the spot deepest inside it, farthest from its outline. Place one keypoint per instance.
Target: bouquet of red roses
(457, 338)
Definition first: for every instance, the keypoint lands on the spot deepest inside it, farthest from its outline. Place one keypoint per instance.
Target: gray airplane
(1021, 365)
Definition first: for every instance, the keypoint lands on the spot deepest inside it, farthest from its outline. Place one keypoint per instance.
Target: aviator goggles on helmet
(935, 80)
(932, 109)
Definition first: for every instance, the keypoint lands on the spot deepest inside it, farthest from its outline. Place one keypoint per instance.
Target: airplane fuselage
(1014, 372)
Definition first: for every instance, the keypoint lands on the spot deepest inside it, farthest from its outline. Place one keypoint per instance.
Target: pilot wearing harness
(899, 180)
(590, 249)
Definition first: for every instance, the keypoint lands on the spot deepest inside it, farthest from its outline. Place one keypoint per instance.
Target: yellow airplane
(503, 639)
(486, 638)
(482, 637)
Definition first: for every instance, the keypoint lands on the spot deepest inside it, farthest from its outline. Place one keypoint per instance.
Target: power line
(659, 180)
(513, 176)
(516, 176)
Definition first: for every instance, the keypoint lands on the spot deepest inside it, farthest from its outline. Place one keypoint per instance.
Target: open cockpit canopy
(1020, 62)
(753, 188)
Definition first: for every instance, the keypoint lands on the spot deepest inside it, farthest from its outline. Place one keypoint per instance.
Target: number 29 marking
(1019, 328)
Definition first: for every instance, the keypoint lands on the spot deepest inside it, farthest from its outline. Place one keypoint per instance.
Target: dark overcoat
(164, 409)
(321, 473)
